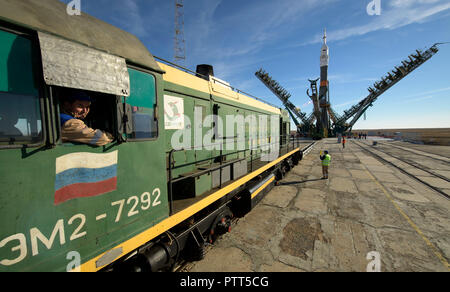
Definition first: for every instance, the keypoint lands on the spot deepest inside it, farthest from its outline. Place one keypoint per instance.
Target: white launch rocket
(324, 53)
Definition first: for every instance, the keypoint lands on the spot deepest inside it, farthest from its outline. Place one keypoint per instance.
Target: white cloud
(247, 28)
(420, 98)
(351, 102)
(132, 16)
(350, 78)
(125, 14)
(409, 3)
(398, 14)
(423, 95)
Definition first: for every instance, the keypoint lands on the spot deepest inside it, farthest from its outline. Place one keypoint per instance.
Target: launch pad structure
(328, 122)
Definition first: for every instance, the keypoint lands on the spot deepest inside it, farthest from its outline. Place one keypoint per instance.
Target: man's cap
(78, 95)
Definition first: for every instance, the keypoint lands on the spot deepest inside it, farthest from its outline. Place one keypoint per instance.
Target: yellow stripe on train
(134, 242)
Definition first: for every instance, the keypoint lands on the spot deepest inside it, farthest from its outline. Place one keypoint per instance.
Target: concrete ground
(366, 216)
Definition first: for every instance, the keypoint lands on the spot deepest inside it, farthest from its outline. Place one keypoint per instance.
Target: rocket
(324, 99)
(324, 58)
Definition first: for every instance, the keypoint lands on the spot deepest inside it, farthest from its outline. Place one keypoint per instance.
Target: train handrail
(221, 165)
(207, 77)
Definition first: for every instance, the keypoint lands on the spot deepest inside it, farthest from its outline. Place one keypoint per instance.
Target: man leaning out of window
(74, 109)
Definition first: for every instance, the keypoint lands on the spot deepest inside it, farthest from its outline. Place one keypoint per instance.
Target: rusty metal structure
(300, 119)
(180, 44)
(327, 120)
(410, 64)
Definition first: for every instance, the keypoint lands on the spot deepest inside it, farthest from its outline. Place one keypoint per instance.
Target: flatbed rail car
(164, 186)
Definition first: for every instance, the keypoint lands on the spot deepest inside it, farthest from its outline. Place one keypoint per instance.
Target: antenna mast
(180, 45)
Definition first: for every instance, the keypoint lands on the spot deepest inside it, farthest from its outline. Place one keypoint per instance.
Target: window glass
(143, 102)
(20, 116)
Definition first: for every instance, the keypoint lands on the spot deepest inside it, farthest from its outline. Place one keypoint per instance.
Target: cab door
(201, 111)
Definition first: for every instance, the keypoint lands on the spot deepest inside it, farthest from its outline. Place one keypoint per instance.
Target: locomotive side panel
(219, 127)
(71, 202)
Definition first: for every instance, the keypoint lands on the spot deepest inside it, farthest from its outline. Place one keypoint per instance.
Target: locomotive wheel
(221, 225)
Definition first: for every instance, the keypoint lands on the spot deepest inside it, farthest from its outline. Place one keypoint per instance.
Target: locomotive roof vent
(204, 71)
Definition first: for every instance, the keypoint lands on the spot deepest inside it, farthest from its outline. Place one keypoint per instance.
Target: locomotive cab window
(20, 113)
(88, 113)
(142, 100)
(85, 116)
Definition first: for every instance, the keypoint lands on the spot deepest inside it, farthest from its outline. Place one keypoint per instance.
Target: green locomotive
(188, 154)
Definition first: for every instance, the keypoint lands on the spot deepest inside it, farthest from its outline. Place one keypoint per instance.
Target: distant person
(343, 142)
(74, 109)
(326, 159)
(8, 120)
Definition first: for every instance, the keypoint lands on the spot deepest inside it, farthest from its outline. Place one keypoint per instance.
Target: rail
(437, 189)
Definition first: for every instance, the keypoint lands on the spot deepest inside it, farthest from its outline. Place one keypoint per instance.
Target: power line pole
(180, 45)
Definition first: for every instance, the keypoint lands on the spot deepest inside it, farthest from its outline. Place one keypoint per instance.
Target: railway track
(417, 165)
(185, 266)
(418, 152)
(435, 183)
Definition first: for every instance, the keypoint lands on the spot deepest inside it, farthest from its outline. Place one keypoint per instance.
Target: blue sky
(284, 38)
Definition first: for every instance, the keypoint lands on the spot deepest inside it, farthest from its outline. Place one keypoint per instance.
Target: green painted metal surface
(37, 234)
(15, 64)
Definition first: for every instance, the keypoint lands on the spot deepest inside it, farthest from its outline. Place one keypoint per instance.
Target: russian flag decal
(84, 174)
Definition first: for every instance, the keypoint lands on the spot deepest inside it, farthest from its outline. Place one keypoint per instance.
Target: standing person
(343, 142)
(8, 119)
(75, 107)
(326, 159)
